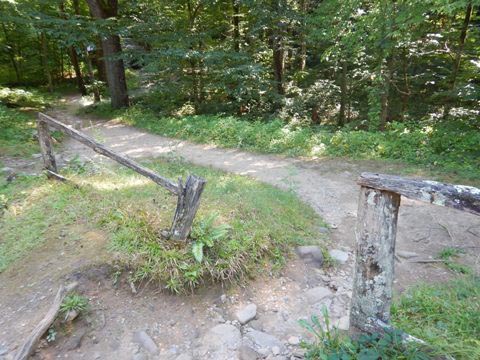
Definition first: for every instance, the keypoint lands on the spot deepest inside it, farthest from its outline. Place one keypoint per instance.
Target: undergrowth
(245, 227)
(439, 147)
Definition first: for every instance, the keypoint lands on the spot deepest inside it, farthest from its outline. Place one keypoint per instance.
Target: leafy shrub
(16, 132)
(16, 97)
(74, 302)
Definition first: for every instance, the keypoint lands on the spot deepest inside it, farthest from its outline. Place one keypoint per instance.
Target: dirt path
(203, 326)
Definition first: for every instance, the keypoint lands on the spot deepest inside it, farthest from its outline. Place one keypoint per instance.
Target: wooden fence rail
(188, 195)
(376, 231)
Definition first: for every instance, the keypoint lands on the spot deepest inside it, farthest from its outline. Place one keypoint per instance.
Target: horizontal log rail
(461, 197)
(376, 231)
(188, 195)
(103, 150)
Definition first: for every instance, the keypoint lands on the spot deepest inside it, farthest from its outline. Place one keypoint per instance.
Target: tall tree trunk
(303, 41)
(11, 53)
(458, 55)
(100, 62)
(112, 48)
(406, 91)
(236, 25)
(45, 65)
(91, 76)
(72, 52)
(343, 94)
(387, 74)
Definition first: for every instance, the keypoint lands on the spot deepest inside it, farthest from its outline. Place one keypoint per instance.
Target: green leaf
(197, 250)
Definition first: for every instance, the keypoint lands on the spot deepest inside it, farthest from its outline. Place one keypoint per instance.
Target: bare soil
(178, 324)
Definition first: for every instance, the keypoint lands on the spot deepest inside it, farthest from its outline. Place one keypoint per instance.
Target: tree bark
(112, 49)
(44, 57)
(343, 94)
(91, 77)
(303, 41)
(374, 268)
(236, 25)
(458, 55)
(11, 53)
(46, 146)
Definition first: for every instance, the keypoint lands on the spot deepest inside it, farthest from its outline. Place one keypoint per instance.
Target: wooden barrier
(376, 230)
(188, 195)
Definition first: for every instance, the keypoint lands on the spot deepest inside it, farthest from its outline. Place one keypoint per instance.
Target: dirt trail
(202, 326)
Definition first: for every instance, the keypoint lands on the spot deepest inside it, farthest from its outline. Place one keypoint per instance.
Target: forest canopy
(359, 63)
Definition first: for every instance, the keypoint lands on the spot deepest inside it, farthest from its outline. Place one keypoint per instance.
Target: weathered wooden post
(46, 146)
(187, 206)
(374, 269)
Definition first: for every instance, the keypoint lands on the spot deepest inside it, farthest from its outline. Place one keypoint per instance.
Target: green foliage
(74, 302)
(31, 98)
(446, 316)
(16, 133)
(205, 233)
(332, 345)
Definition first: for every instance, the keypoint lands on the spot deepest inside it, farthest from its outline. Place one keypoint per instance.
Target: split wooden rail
(188, 194)
(376, 231)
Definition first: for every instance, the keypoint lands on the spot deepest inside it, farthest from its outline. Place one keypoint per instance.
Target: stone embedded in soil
(261, 340)
(246, 314)
(339, 255)
(247, 353)
(344, 323)
(311, 253)
(145, 341)
(293, 340)
(406, 254)
(317, 294)
(222, 336)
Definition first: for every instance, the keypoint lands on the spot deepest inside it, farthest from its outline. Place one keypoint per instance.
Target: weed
(51, 335)
(74, 302)
(447, 254)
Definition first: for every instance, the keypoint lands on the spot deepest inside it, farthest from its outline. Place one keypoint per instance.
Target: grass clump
(438, 147)
(16, 133)
(25, 98)
(74, 302)
(446, 316)
(243, 227)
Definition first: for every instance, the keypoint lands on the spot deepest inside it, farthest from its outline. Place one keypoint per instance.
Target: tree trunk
(236, 25)
(458, 55)
(343, 94)
(112, 49)
(11, 53)
(72, 52)
(303, 41)
(91, 77)
(45, 65)
(374, 267)
(100, 63)
(278, 62)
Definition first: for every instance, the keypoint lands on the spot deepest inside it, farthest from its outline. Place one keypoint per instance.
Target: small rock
(344, 323)
(184, 356)
(293, 340)
(275, 350)
(70, 316)
(7, 170)
(406, 254)
(247, 353)
(75, 341)
(262, 340)
(139, 356)
(247, 313)
(317, 294)
(312, 253)
(144, 340)
(323, 230)
(339, 256)
(223, 298)
(3, 350)
(223, 335)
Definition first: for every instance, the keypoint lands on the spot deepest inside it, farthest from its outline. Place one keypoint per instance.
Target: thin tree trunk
(459, 53)
(343, 94)
(91, 77)
(11, 53)
(44, 56)
(387, 73)
(72, 52)
(303, 42)
(112, 49)
(99, 62)
(236, 25)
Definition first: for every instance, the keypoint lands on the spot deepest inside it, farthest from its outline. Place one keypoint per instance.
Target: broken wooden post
(46, 146)
(375, 249)
(187, 206)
